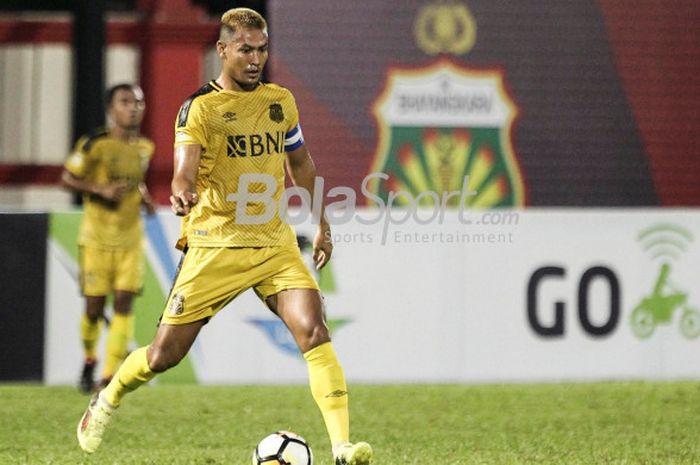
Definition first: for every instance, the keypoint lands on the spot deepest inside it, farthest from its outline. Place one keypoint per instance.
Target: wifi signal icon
(665, 240)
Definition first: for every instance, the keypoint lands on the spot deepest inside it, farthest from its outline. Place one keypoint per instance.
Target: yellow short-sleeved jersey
(102, 159)
(240, 133)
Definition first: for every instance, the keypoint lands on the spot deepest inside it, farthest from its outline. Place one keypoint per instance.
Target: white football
(283, 448)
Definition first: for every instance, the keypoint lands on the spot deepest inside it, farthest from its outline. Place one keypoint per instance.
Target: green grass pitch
(640, 423)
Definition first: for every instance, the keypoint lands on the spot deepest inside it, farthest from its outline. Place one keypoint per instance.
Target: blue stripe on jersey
(293, 139)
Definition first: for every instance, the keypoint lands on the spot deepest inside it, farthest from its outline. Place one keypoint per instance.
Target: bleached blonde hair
(241, 18)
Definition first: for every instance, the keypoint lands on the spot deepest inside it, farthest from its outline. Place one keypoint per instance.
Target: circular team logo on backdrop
(446, 27)
(442, 123)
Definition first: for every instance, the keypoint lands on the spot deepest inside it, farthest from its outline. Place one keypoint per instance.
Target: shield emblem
(440, 124)
(276, 113)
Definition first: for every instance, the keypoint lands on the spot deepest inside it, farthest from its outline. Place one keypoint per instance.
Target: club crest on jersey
(442, 123)
(177, 304)
(276, 113)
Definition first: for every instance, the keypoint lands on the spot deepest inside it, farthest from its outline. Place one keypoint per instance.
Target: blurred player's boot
(354, 454)
(102, 384)
(93, 423)
(87, 377)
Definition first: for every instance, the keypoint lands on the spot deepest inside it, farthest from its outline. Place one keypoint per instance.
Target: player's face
(127, 107)
(244, 57)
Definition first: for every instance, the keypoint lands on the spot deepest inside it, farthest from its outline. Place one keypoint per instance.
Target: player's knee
(94, 309)
(313, 337)
(122, 309)
(122, 303)
(160, 360)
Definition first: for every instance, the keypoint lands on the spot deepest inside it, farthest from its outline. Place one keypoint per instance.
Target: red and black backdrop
(608, 91)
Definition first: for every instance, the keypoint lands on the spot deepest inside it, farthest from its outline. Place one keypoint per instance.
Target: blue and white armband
(293, 139)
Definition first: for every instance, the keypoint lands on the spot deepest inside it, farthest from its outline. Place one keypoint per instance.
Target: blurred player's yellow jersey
(241, 133)
(103, 159)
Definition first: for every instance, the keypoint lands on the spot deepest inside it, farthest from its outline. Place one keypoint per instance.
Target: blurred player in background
(233, 126)
(108, 167)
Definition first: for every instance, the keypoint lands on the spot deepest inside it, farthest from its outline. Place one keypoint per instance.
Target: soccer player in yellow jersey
(108, 168)
(234, 138)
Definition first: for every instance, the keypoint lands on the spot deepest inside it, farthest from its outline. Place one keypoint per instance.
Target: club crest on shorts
(276, 113)
(177, 304)
(444, 123)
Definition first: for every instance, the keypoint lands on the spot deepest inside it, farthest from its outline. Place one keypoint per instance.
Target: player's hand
(113, 191)
(182, 202)
(147, 200)
(150, 208)
(323, 246)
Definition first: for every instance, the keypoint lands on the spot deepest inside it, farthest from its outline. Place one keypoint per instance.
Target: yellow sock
(131, 374)
(89, 335)
(329, 390)
(121, 331)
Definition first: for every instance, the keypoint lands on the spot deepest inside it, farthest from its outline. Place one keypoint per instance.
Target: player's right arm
(190, 137)
(183, 185)
(113, 191)
(75, 175)
(190, 140)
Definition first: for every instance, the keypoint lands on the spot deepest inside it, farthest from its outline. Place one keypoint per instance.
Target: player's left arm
(302, 171)
(146, 198)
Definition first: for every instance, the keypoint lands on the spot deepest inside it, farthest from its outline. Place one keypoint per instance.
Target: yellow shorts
(103, 271)
(210, 277)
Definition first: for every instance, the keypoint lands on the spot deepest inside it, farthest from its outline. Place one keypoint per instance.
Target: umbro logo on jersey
(229, 116)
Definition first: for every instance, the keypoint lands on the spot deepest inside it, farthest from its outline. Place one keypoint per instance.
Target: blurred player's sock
(121, 331)
(89, 335)
(329, 390)
(131, 374)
